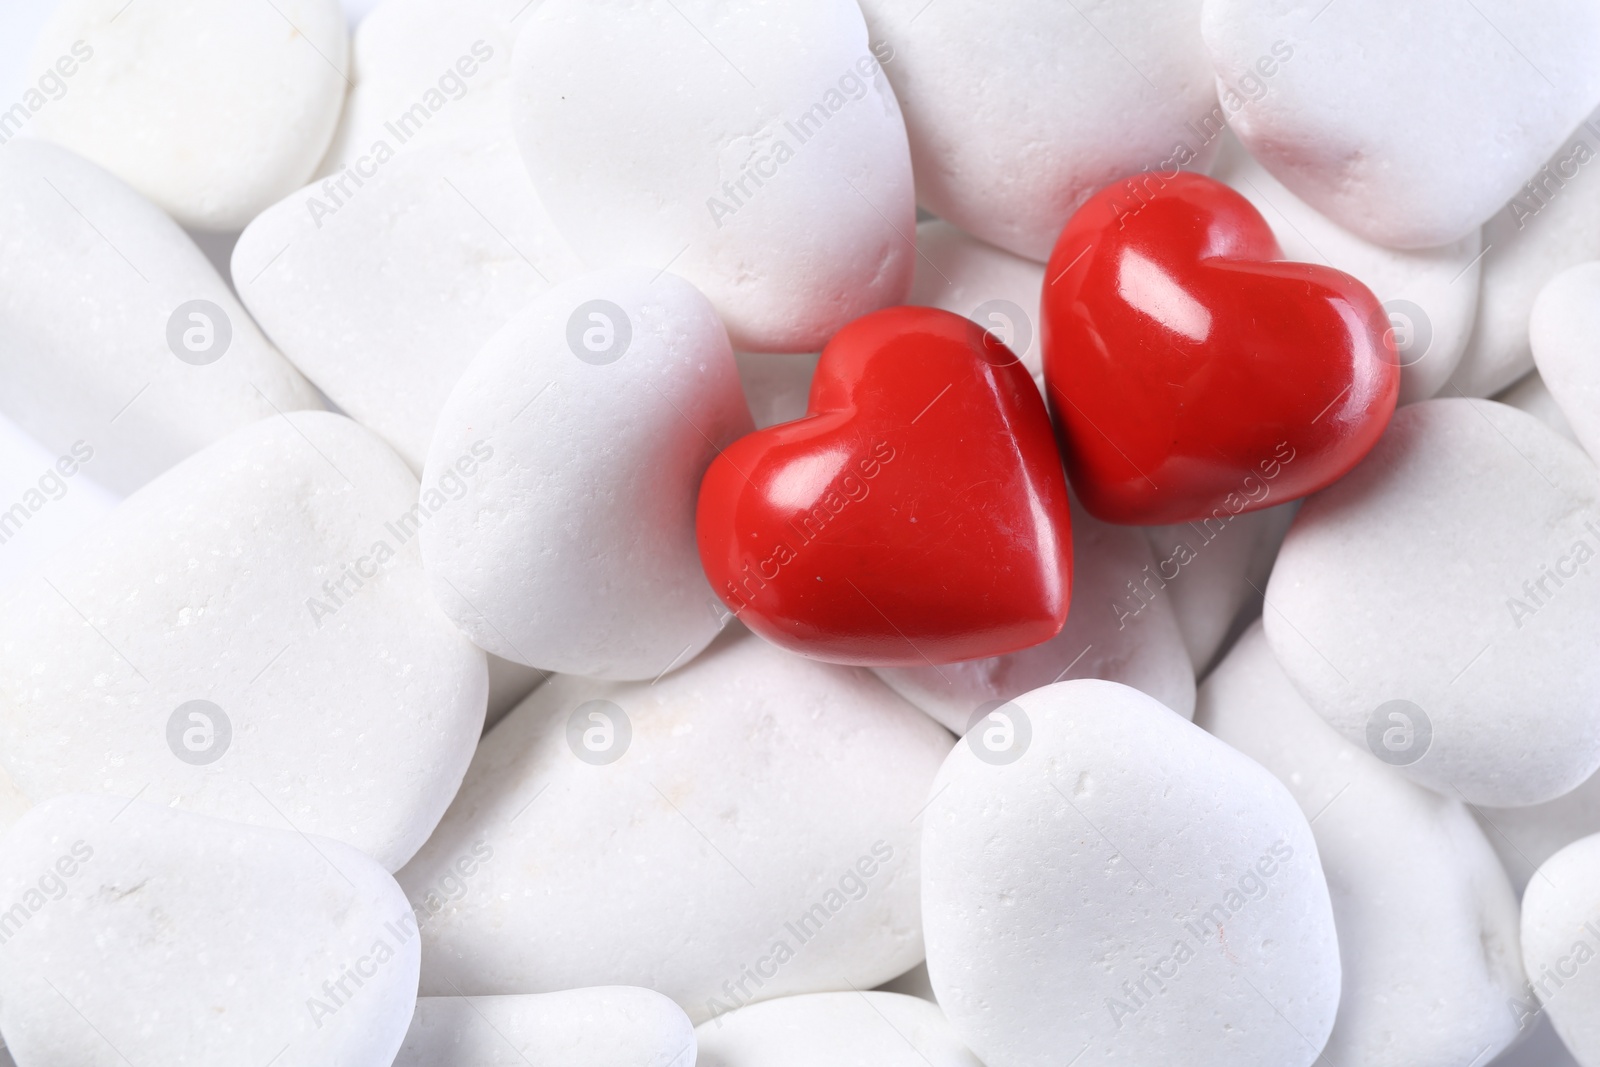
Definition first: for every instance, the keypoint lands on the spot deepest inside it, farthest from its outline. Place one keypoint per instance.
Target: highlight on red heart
(916, 515)
(1182, 354)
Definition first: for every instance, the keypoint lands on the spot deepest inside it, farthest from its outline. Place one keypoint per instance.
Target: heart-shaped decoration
(917, 513)
(1192, 373)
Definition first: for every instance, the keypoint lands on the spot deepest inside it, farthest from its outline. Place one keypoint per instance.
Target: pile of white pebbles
(362, 698)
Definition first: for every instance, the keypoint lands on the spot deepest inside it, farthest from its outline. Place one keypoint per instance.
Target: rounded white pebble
(988, 285)
(608, 1026)
(212, 108)
(854, 1029)
(382, 293)
(757, 807)
(1530, 394)
(1427, 921)
(1110, 633)
(250, 636)
(1123, 878)
(115, 331)
(1565, 334)
(1019, 112)
(1435, 605)
(574, 551)
(141, 934)
(754, 149)
(1560, 946)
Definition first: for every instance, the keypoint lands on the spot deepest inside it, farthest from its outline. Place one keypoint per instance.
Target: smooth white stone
(855, 1029)
(1019, 112)
(1530, 394)
(1552, 223)
(1427, 920)
(749, 785)
(639, 121)
(1369, 120)
(1412, 580)
(575, 550)
(149, 935)
(1562, 332)
(1431, 294)
(383, 296)
(348, 714)
(777, 387)
(1110, 633)
(1525, 837)
(424, 71)
(211, 108)
(1204, 571)
(46, 500)
(1560, 940)
(1118, 833)
(611, 1026)
(990, 286)
(92, 280)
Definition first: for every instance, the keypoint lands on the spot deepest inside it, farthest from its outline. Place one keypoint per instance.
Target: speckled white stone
(1550, 224)
(1124, 845)
(91, 276)
(1370, 119)
(754, 149)
(268, 576)
(1111, 632)
(575, 551)
(1427, 920)
(853, 1029)
(211, 108)
(1562, 332)
(1530, 394)
(1431, 294)
(610, 1026)
(141, 934)
(755, 791)
(1416, 578)
(1560, 942)
(1019, 112)
(1526, 837)
(382, 293)
(990, 286)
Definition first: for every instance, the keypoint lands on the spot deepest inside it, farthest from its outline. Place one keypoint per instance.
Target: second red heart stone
(917, 514)
(1192, 373)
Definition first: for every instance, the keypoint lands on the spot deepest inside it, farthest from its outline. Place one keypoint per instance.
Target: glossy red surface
(917, 514)
(1191, 372)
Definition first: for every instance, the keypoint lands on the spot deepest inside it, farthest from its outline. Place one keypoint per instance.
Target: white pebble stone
(575, 550)
(1418, 603)
(1365, 121)
(1552, 223)
(1204, 570)
(766, 801)
(424, 71)
(610, 1026)
(855, 1029)
(211, 108)
(1019, 112)
(97, 340)
(382, 293)
(1566, 348)
(1427, 920)
(754, 149)
(1121, 847)
(1561, 943)
(148, 935)
(250, 636)
(1525, 837)
(1530, 394)
(990, 286)
(777, 387)
(1431, 294)
(1110, 633)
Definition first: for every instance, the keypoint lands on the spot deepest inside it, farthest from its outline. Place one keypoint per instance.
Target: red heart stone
(916, 514)
(1191, 371)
